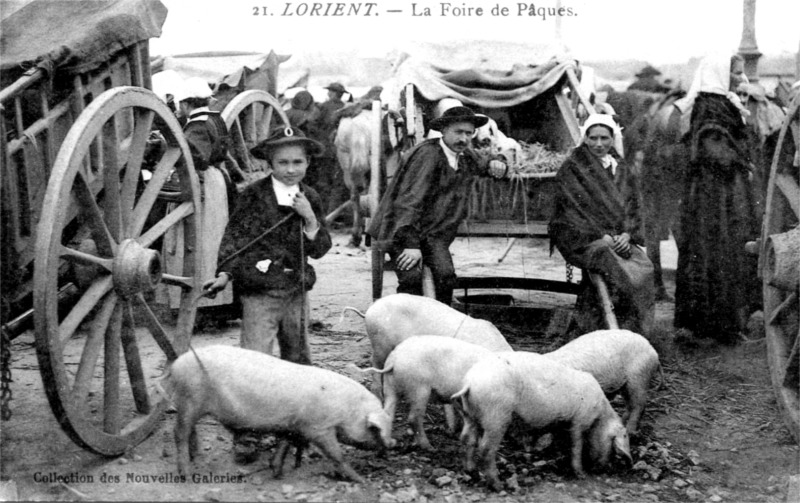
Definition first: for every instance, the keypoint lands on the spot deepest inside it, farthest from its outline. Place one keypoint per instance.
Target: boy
(273, 275)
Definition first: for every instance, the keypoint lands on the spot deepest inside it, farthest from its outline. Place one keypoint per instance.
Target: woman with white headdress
(597, 227)
(716, 283)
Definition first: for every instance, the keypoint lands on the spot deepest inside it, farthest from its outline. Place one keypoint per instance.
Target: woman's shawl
(591, 202)
(715, 116)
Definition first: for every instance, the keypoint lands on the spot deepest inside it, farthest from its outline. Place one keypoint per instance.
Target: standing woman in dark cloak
(596, 226)
(717, 286)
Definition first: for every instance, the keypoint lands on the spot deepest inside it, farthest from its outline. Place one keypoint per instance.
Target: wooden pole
(605, 300)
(375, 158)
(338, 211)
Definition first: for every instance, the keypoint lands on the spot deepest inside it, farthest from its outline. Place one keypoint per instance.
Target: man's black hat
(458, 114)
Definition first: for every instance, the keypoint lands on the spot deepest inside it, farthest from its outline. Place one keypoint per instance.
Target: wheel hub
(136, 268)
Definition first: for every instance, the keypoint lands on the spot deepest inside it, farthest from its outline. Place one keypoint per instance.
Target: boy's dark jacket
(256, 211)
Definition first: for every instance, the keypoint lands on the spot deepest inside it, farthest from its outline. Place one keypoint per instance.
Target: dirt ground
(714, 433)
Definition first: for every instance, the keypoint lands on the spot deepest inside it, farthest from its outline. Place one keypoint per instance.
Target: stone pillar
(748, 47)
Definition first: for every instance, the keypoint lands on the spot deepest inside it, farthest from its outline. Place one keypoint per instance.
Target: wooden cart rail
(37, 115)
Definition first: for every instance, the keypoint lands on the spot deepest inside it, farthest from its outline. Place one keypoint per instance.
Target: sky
(659, 31)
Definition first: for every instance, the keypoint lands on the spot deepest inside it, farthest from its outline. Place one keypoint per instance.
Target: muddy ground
(713, 434)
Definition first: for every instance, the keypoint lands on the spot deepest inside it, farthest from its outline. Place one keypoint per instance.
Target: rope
(303, 284)
(460, 325)
(5, 376)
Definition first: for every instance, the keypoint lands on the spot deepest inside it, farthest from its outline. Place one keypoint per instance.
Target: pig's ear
(374, 421)
(622, 447)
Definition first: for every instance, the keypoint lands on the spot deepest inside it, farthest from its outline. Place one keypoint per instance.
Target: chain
(5, 376)
(569, 273)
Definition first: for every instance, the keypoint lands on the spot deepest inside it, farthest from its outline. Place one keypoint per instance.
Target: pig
(394, 318)
(546, 395)
(620, 360)
(422, 365)
(249, 390)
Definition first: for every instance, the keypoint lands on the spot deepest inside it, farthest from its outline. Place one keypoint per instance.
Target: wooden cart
(81, 243)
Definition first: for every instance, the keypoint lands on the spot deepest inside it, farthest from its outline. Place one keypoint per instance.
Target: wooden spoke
(266, 120)
(238, 133)
(111, 368)
(790, 189)
(181, 281)
(112, 209)
(150, 194)
(784, 306)
(106, 243)
(90, 298)
(133, 361)
(792, 371)
(92, 349)
(162, 226)
(157, 330)
(143, 123)
(80, 257)
(252, 125)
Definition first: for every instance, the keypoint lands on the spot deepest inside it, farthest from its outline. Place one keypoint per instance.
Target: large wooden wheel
(249, 117)
(95, 233)
(779, 259)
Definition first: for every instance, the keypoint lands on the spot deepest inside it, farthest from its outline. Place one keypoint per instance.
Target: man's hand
(497, 168)
(622, 245)
(409, 258)
(212, 286)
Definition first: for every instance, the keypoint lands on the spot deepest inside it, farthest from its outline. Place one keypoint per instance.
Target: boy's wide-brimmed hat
(282, 136)
(648, 71)
(458, 114)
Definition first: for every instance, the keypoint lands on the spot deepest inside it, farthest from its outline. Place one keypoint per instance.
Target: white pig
(423, 365)
(394, 318)
(620, 360)
(249, 390)
(545, 395)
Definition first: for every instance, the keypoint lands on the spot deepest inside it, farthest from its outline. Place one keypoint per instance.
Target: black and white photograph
(400, 251)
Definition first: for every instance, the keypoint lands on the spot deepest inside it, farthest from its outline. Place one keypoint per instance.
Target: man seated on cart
(596, 226)
(427, 200)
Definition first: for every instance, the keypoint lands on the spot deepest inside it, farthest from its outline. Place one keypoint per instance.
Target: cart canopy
(74, 36)
(225, 69)
(482, 74)
(484, 88)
